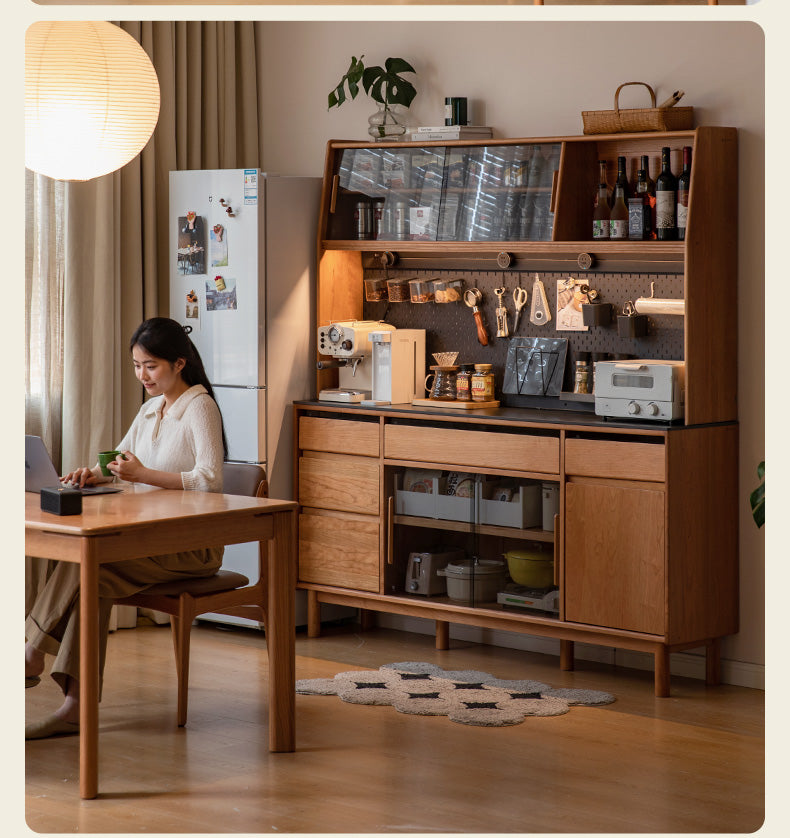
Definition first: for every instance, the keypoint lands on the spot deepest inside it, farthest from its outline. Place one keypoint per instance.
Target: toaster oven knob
(633, 408)
(414, 585)
(652, 409)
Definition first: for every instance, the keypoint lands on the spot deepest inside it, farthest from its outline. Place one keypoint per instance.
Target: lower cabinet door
(615, 556)
(339, 549)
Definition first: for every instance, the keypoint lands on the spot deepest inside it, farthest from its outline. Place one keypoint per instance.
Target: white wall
(534, 79)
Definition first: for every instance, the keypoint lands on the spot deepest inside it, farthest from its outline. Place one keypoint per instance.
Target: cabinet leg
(367, 619)
(662, 672)
(442, 635)
(313, 614)
(713, 662)
(566, 655)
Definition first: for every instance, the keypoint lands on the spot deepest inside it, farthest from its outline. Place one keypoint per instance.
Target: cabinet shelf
(528, 533)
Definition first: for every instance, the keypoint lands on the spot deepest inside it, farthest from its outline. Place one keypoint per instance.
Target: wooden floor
(689, 763)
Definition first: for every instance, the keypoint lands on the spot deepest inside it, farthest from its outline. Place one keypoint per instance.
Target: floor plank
(689, 763)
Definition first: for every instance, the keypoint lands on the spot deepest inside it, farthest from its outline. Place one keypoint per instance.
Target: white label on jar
(665, 209)
(618, 228)
(600, 229)
(448, 111)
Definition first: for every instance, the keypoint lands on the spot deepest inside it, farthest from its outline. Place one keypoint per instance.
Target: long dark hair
(167, 339)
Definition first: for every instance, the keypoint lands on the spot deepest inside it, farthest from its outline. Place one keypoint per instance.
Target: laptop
(40, 472)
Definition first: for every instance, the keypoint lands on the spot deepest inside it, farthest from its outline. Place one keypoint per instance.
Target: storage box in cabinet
(473, 449)
(525, 510)
(342, 436)
(433, 504)
(337, 481)
(612, 458)
(339, 549)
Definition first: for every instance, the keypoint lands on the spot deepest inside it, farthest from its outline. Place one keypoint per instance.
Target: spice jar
(421, 290)
(581, 378)
(398, 290)
(375, 290)
(463, 383)
(482, 383)
(448, 290)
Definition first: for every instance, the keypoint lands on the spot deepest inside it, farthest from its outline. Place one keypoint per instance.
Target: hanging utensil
(539, 313)
(501, 314)
(473, 297)
(520, 299)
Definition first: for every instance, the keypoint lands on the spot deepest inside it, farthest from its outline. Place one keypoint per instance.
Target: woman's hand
(79, 477)
(127, 467)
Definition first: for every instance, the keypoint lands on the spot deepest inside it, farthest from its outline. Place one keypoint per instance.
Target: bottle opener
(501, 315)
(539, 313)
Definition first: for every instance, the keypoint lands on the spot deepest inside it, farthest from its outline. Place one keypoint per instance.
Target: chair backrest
(244, 479)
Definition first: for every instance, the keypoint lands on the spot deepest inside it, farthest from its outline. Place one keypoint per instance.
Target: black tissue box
(61, 500)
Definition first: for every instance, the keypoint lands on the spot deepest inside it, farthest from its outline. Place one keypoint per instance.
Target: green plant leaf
(351, 78)
(386, 86)
(757, 498)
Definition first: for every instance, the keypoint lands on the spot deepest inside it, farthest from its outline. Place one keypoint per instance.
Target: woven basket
(637, 119)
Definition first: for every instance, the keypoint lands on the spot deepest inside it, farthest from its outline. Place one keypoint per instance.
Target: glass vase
(388, 123)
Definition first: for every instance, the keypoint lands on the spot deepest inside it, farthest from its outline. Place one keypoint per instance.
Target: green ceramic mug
(107, 457)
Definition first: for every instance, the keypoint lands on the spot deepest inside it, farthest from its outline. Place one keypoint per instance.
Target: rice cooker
(474, 580)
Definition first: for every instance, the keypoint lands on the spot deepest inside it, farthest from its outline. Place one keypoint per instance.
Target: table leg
(89, 671)
(281, 629)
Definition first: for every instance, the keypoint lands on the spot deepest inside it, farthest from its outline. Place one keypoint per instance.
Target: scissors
(520, 299)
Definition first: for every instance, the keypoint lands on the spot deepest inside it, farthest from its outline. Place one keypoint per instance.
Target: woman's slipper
(31, 681)
(50, 726)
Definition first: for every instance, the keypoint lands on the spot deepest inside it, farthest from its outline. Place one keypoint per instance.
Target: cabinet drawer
(335, 481)
(610, 458)
(337, 549)
(339, 435)
(472, 449)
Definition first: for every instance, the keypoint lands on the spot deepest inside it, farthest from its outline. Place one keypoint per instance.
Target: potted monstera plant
(384, 85)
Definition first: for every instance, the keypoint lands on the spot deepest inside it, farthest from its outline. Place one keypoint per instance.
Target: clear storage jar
(421, 290)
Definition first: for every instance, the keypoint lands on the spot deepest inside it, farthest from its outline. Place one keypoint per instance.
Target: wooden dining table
(139, 522)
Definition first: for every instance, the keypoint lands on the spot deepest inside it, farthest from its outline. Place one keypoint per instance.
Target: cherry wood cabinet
(645, 543)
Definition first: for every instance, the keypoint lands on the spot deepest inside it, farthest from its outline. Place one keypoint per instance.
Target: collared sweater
(188, 438)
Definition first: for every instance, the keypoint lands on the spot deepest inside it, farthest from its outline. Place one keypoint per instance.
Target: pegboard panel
(450, 327)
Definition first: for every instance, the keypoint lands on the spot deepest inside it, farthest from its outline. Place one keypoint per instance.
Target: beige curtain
(97, 252)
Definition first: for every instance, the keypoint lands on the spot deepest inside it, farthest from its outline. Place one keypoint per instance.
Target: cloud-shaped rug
(465, 696)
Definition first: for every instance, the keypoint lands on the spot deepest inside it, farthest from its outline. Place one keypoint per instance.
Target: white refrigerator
(242, 259)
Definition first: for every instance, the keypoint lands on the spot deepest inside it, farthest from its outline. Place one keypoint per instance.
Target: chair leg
(182, 625)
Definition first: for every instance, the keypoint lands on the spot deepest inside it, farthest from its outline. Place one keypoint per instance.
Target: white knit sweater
(188, 438)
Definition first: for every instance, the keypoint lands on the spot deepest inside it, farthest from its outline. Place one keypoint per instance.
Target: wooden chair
(227, 592)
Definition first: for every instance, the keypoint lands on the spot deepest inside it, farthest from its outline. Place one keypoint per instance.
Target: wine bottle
(601, 207)
(644, 163)
(648, 203)
(618, 219)
(622, 180)
(666, 192)
(684, 183)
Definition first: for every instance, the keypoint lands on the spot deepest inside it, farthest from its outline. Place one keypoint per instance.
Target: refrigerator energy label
(250, 186)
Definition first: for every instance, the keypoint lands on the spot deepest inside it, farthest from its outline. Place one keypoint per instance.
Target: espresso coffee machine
(347, 343)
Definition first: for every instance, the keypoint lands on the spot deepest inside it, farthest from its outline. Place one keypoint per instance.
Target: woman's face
(157, 375)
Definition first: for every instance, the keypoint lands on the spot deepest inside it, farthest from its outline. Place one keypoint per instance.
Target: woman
(176, 441)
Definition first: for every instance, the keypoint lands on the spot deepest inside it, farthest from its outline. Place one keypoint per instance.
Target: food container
(398, 290)
(421, 290)
(532, 568)
(474, 581)
(448, 290)
(375, 290)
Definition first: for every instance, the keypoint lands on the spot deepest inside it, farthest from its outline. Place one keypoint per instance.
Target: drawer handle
(390, 526)
(333, 198)
(556, 549)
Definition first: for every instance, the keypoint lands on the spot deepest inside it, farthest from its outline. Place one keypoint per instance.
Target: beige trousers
(52, 599)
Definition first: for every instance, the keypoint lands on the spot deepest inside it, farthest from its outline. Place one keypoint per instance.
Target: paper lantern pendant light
(91, 98)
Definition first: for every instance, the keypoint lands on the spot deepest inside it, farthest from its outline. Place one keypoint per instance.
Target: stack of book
(450, 132)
